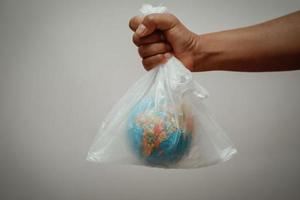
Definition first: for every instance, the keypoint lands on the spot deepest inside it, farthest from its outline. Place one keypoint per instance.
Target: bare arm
(270, 46)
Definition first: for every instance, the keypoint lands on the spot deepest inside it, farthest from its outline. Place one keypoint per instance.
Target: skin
(270, 46)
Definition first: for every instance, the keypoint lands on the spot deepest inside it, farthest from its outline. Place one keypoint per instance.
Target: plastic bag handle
(149, 9)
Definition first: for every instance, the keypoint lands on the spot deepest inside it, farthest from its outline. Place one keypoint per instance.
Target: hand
(158, 36)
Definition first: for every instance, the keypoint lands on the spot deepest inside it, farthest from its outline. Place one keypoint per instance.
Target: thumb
(160, 21)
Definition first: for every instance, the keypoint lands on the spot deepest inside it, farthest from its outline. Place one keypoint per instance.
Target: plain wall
(63, 64)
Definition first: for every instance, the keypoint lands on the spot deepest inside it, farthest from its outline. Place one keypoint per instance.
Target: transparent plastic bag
(162, 122)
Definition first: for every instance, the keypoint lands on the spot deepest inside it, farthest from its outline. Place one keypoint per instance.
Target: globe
(159, 133)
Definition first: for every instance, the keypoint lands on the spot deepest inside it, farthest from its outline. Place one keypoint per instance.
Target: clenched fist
(158, 36)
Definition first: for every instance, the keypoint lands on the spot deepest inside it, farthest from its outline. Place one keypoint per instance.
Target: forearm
(270, 46)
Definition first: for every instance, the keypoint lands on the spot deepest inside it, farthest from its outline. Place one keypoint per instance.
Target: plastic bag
(162, 122)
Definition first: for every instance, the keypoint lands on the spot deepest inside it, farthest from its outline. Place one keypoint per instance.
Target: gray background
(63, 64)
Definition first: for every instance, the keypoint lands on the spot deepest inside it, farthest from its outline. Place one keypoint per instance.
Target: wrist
(205, 54)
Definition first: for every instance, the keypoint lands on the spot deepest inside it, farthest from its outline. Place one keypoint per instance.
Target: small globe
(159, 134)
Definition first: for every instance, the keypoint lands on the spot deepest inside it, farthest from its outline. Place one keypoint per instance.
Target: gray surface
(63, 64)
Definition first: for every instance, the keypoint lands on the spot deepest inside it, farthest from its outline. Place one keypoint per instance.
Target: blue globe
(157, 134)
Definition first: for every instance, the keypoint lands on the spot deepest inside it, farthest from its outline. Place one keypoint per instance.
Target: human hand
(160, 35)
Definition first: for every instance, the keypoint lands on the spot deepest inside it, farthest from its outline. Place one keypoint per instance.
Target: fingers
(153, 61)
(153, 49)
(160, 21)
(149, 37)
(135, 22)
(152, 38)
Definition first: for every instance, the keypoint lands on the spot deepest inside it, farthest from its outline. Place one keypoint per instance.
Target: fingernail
(140, 30)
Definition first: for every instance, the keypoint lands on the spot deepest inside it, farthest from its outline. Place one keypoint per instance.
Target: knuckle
(146, 64)
(172, 17)
(131, 22)
(134, 22)
(135, 39)
(141, 51)
(150, 17)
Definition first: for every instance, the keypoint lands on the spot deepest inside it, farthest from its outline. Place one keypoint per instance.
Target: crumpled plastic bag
(162, 122)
